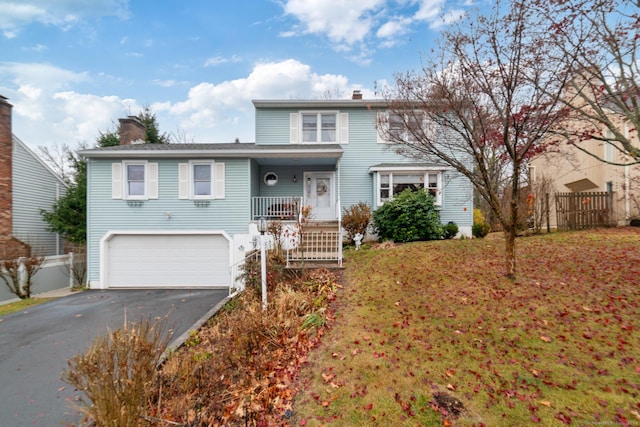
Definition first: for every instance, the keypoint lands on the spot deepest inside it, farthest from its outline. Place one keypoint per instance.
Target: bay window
(392, 183)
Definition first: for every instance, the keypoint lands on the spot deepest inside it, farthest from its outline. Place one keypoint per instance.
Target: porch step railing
(276, 208)
(317, 246)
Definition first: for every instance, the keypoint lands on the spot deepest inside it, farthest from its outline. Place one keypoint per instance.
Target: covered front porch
(298, 194)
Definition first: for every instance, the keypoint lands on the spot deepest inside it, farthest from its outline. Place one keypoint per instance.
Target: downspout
(57, 234)
(338, 196)
(339, 207)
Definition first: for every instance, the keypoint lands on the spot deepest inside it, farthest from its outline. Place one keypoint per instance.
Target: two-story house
(185, 214)
(572, 170)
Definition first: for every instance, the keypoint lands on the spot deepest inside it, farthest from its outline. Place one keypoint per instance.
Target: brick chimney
(9, 246)
(356, 94)
(132, 131)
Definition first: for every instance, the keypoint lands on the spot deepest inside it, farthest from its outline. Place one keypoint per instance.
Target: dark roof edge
(319, 103)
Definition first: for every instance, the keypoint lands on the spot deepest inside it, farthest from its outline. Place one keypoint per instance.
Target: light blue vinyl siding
(231, 214)
(255, 179)
(362, 151)
(285, 185)
(35, 187)
(272, 126)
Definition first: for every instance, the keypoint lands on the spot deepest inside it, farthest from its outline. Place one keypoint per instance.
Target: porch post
(262, 228)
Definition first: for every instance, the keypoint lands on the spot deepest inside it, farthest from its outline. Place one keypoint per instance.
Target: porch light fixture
(295, 178)
(262, 228)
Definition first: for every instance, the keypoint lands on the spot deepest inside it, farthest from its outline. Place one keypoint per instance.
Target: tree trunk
(510, 251)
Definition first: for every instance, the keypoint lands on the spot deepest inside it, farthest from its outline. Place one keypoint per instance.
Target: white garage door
(167, 260)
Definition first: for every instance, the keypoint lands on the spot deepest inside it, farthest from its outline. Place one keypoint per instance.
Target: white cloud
(344, 22)
(394, 28)
(220, 112)
(41, 75)
(168, 83)
(450, 16)
(219, 60)
(85, 114)
(48, 111)
(60, 13)
(429, 10)
(350, 25)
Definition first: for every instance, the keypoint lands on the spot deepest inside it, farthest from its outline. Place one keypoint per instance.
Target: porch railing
(317, 246)
(276, 208)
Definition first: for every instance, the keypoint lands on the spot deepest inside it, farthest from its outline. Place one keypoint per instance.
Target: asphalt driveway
(35, 344)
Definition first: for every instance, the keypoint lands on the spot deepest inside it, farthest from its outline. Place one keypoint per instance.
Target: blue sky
(71, 68)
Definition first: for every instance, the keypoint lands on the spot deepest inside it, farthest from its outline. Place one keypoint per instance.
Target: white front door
(319, 193)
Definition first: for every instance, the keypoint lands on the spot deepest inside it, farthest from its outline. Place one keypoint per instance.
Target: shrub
(478, 216)
(480, 230)
(17, 274)
(450, 230)
(118, 372)
(251, 273)
(410, 216)
(480, 226)
(356, 219)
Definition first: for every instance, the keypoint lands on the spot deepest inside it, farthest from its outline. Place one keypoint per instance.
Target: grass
(21, 305)
(427, 333)
(416, 322)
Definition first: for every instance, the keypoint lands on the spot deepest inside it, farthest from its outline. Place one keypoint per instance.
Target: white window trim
(383, 121)
(296, 127)
(186, 187)
(402, 171)
(125, 181)
(192, 189)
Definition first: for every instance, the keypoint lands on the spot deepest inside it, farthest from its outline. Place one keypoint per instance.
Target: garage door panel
(188, 260)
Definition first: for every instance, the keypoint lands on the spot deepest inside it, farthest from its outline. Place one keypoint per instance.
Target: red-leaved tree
(482, 103)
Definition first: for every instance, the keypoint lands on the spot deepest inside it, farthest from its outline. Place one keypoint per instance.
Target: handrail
(276, 207)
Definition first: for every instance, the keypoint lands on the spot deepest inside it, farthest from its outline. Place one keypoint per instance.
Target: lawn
(432, 333)
(21, 305)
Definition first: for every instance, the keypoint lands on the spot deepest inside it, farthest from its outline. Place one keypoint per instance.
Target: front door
(319, 193)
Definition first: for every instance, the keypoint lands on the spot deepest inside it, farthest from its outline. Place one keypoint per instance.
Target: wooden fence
(578, 211)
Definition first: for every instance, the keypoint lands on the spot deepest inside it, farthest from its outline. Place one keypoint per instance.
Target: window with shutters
(134, 180)
(395, 127)
(319, 127)
(201, 179)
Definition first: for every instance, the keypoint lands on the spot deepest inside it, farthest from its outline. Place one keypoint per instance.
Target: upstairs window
(395, 126)
(319, 127)
(326, 127)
